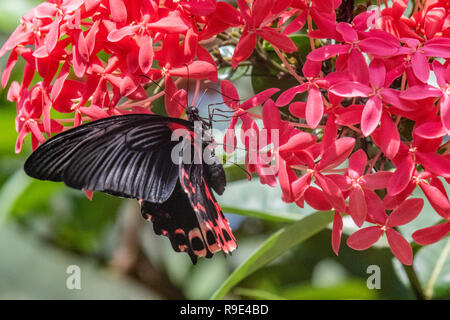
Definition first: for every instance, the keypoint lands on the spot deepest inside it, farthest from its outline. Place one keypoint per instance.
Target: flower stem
(263, 55)
(414, 282)
(436, 271)
(288, 65)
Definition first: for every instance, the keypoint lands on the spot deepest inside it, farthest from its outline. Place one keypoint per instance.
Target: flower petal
(146, 53)
(437, 199)
(9, 66)
(420, 91)
(350, 89)
(244, 48)
(314, 108)
(317, 199)
(336, 153)
(401, 177)
(230, 95)
(371, 115)
(278, 40)
(357, 164)
(435, 163)
(196, 70)
(299, 141)
(375, 208)
(406, 212)
(357, 206)
(377, 73)
(387, 137)
(170, 24)
(363, 239)
(298, 109)
(420, 66)
(430, 130)
(378, 47)
(445, 112)
(337, 232)
(259, 99)
(326, 52)
(289, 94)
(332, 191)
(118, 34)
(431, 234)
(299, 186)
(400, 247)
(118, 10)
(377, 180)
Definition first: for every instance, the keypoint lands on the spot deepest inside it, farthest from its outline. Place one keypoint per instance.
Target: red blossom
(403, 214)
(373, 121)
(256, 20)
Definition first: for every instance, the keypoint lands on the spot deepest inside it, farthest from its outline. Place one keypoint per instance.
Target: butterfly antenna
(235, 147)
(165, 92)
(187, 87)
(249, 175)
(224, 95)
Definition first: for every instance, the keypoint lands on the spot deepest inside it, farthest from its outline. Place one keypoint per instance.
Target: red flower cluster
(387, 92)
(380, 81)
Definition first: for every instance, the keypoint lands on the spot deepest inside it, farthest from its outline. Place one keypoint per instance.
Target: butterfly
(132, 156)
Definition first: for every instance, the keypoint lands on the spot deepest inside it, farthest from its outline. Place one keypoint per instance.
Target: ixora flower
(362, 126)
(401, 215)
(257, 21)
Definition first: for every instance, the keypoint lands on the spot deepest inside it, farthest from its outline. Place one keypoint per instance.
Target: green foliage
(276, 245)
(284, 252)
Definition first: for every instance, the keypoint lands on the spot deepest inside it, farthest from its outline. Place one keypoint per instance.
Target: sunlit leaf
(276, 217)
(11, 191)
(275, 246)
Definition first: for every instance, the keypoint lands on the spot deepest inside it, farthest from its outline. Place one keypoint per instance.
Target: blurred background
(46, 227)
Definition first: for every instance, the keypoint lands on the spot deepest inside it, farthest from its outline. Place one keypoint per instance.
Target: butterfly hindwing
(176, 219)
(193, 179)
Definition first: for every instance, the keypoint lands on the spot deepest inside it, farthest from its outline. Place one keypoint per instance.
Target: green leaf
(269, 216)
(275, 246)
(258, 294)
(302, 43)
(9, 134)
(351, 289)
(234, 173)
(431, 268)
(10, 12)
(441, 269)
(11, 191)
(264, 77)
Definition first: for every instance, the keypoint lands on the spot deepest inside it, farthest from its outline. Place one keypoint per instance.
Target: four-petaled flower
(386, 224)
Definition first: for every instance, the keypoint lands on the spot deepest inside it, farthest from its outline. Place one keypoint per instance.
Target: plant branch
(414, 282)
(429, 288)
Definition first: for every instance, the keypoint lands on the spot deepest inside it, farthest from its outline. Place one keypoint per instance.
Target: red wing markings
(197, 243)
(228, 240)
(213, 224)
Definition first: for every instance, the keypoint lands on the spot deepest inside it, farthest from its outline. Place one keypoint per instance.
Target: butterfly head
(192, 113)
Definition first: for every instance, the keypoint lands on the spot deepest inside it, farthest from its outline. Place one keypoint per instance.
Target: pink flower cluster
(377, 106)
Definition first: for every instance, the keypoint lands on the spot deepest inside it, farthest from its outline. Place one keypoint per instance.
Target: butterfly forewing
(106, 155)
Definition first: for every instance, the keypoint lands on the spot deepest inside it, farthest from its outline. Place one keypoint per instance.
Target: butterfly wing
(128, 156)
(194, 181)
(131, 156)
(176, 219)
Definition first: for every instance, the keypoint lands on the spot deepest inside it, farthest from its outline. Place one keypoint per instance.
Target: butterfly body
(132, 156)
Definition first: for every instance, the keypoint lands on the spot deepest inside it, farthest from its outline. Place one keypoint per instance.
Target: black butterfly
(131, 156)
